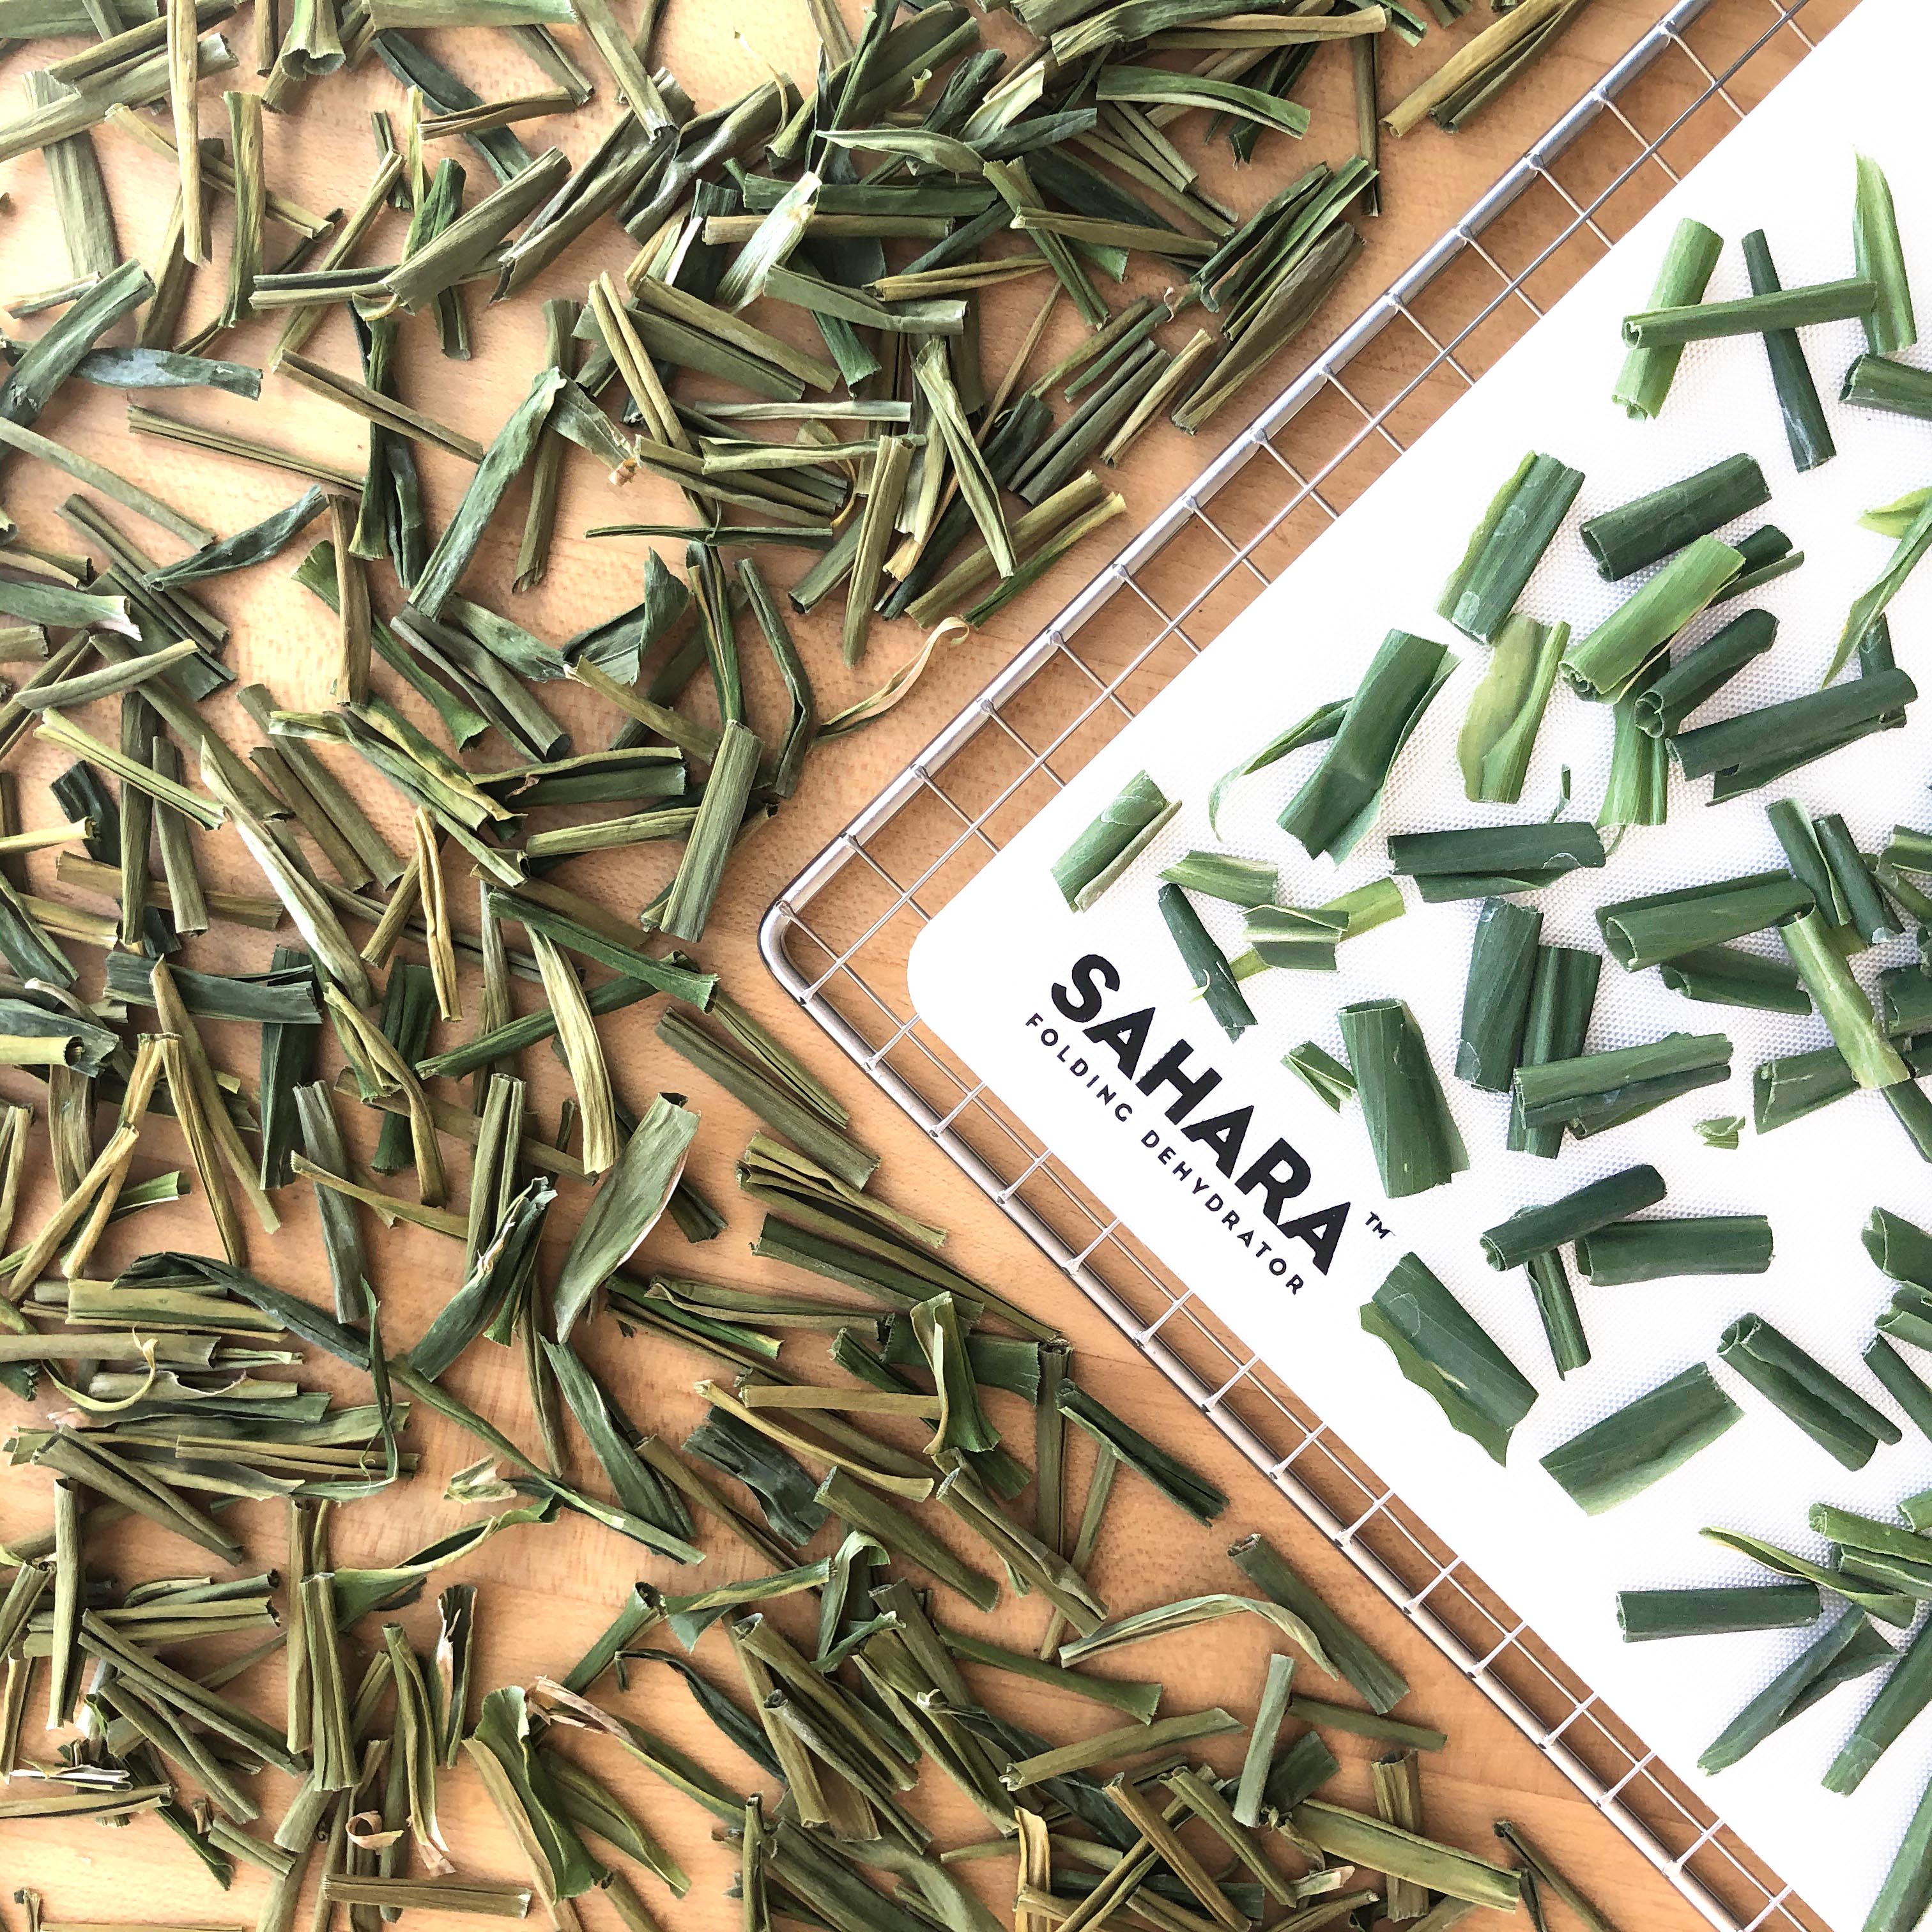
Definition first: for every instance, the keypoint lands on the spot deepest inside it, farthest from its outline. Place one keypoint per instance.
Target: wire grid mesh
(838, 938)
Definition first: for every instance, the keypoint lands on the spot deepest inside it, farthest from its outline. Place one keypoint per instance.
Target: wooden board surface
(546, 1592)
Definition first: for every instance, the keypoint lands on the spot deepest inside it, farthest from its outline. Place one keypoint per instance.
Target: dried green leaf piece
(1835, 1415)
(523, 1788)
(1137, 1700)
(1134, 1740)
(628, 1205)
(781, 1483)
(1642, 1442)
(1413, 1134)
(1440, 1348)
(1516, 529)
(1370, 1842)
(1506, 709)
(779, 1107)
(1256, 1764)
(47, 362)
(907, 1539)
(701, 870)
(1142, 1626)
(1706, 1244)
(509, 454)
(246, 548)
(1338, 804)
(1533, 1231)
(1179, 1483)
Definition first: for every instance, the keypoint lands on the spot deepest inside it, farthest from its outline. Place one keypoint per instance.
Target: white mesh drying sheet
(983, 971)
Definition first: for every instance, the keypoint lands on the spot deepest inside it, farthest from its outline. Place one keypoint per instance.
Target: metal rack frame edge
(783, 915)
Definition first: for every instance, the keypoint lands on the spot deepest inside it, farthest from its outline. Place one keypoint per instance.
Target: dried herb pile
(343, 966)
(1789, 939)
(791, 343)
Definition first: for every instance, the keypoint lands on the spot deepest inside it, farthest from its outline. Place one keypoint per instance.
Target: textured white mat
(983, 972)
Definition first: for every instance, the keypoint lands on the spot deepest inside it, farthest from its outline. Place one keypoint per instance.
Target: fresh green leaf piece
(1440, 1348)
(1506, 709)
(1806, 430)
(1411, 1130)
(1834, 1415)
(1642, 1442)
(1841, 1002)
(1888, 1605)
(1338, 804)
(1317, 728)
(1661, 926)
(1324, 1075)
(1107, 847)
(1907, 1691)
(1645, 380)
(1477, 861)
(1714, 1609)
(1561, 996)
(1206, 964)
(1879, 258)
(1651, 527)
(1673, 327)
(1598, 1204)
(1610, 659)
(1556, 1308)
(1625, 1252)
(1516, 530)
(1294, 939)
(1496, 995)
(1668, 699)
(1725, 976)
(1220, 875)
(1596, 1091)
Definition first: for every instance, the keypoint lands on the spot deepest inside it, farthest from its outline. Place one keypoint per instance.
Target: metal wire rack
(838, 937)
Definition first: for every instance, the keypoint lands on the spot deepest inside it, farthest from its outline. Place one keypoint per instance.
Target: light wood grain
(546, 1592)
